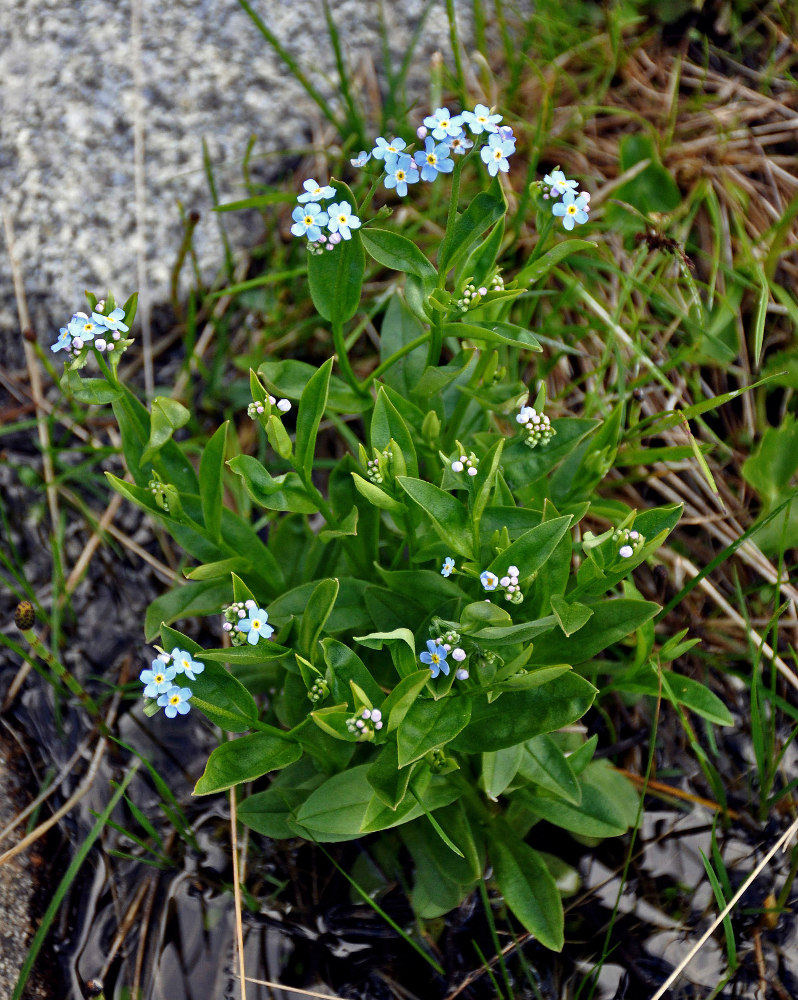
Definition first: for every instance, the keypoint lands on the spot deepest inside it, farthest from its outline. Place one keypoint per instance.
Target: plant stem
(343, 358)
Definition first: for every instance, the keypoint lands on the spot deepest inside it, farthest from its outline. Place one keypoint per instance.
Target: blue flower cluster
(574, 205)
(159, 681)
(246, 622)
(102, 330)
(324, 227)
(444, 136)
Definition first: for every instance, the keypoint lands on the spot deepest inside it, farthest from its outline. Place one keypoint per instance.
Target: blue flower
(159, 679)
(342, 220)
(448, 566)
(399, 172)
(434, 159)
(383, 149)
(81, 329)
(308, 221)
(315, 192)
(183, 664)
(435, 658)
(113, 321)
(175, 701)
(256, 624)
(361, 159)
(556, 180)
(459, 143)
(442, 124)
(489, 580)
(64, 341)
(573, 209)
(481, 120)
(496, 152)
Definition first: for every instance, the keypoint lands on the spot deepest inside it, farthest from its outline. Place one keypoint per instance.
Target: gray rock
(67, 109)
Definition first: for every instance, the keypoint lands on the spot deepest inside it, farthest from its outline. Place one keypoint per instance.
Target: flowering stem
(389, 362)
(105, 368)
(343, 358)
(367, 200)
(436, 341)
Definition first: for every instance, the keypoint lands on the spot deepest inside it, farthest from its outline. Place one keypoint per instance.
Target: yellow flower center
(432, 159)
(159, 678)
(435, 658)
(175, 699)
(186, 663)
(256, 622)
(444, 123)
(400, 175)
(308, 220)
(572, 209)
(342, 220)
(498, 154)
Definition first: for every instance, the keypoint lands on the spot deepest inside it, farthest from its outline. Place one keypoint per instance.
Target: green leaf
(402, 645)
(191, 599)
(518, 716)
(608, 806)
(387, 779)
(347, 666)
(268, 812)
(528, 888)
(336, 277)
(396, 706)
(429, 725)
(493, 333)
(499, 767)
(542, 265)
(612, 620)
(311, 410)
(211, 481)
(684, 690)
(223, 699)
(447, 514)
(375, 494)
(486, 209)
(571, 616)
(348, 615)
(289, 378)
(284, 492)
(398, 252)
(400, 328)
(387, 424)
(88, 390)
(532, 549)
(167, 416)
(245, 759)
(485, 479)
(319, 606)
(347, 527)
(247, 656)
(544, 763)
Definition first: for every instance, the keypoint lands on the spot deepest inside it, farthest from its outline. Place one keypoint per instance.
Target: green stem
(462, 403)
(436, 340)
(389, 362)
(64, 675)
(107, 372)
(343, 358)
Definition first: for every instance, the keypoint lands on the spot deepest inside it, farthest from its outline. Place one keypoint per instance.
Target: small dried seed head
(24, 616)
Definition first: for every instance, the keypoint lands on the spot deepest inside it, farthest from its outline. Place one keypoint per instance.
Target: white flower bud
(626, 551)
(461, 674)
(100, 344)
(376, 715)
(458, 654)
(472, 471)
(457, 466)
(284, 405)
(513, 571)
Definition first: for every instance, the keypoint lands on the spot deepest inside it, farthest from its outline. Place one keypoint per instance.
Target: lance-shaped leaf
(398, 252)
(311, 410)
(245, 759)
(447, 515)
(167, 416)
(284, 492)
(429, 725)
(528, 888)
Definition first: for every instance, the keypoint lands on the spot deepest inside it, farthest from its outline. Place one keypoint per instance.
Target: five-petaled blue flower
(341, 219)
(64, 341)
(489, 580)
(159, 679)
(175, 701)
(572, 208)
(496, 152)
(83, 328)
(183, 664)
(399, 172)
(361, 159)
(442, 124)
(315, 192)
(434, 159)
(308, 220)
(383, 148)
(558, 183)
(481, 120)
(435, 658)
(459, 144)
(113, 321)
(256, 624)
(448, 566)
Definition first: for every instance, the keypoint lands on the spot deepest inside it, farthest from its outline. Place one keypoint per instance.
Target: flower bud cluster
(375, 467)
(468, 463)
(98, 330)
(537, 426)
(629, 540)
(246, 623)
(471, 296)
(319, 690)
(496, 283)
(365, 725)
(437, 760)
(158, 490)
(512, 592)
(255, 410)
